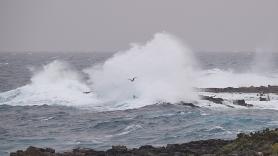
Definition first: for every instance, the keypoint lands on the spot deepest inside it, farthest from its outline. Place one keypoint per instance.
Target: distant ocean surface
(42, 102)
(15, 66)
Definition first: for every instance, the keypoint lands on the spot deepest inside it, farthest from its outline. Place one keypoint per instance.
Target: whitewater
(165, 70)
(78, 99)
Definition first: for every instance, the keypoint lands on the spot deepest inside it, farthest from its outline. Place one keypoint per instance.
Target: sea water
(43, 101)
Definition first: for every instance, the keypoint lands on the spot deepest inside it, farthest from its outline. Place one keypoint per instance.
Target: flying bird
(133, 79)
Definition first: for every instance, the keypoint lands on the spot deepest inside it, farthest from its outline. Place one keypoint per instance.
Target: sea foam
(163, 67)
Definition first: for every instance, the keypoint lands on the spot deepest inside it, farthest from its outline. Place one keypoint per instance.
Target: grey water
(64, 127)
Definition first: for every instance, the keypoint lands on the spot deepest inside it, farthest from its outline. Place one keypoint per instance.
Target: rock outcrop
(251, 89)
(242, 103)
(263, 143)
(212, 99)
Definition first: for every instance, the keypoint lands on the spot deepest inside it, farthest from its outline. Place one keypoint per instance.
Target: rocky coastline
(261, 143)
(251, 89)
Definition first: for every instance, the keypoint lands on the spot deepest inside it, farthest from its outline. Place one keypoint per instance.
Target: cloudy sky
(111, 25)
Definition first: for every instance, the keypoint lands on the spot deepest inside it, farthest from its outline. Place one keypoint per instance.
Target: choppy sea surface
(33, 112)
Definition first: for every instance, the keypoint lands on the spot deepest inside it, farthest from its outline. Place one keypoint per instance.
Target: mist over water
(264, 62)
(55, 83)
(236, 69)
(164, 70)
(216, 78)
(38, 88)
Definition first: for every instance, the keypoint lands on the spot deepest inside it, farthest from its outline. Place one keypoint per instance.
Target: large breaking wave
(164, 70)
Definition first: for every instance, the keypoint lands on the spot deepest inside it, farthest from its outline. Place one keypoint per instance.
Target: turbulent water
(42, 99)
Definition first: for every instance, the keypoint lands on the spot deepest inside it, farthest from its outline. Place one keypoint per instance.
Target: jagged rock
(119, 148)
(34, 151)
(263, 99)
(251, 89)
(188, 104)
(254, 144)
(242, 103)
(212, 99)
(146, 147)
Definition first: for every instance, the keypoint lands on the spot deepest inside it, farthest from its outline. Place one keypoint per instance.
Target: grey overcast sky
(111, 25)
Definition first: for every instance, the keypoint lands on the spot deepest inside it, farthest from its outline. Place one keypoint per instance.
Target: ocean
(70, 100)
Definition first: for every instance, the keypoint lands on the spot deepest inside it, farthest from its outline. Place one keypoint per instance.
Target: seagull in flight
(87, 92)
(133, 79)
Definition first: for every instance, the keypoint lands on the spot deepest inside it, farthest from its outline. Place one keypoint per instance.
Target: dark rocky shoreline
(251, 89)
(262, 143)
(262, 92)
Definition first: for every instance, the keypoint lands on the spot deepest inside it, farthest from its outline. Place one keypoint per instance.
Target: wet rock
(188, 104)
(251, 89)
(263, 99)
(81, 152)
(242, 103)
(34, 151)
(212, 99)
(179, 103)
(254, 144)
(119, 148)
(146, 147)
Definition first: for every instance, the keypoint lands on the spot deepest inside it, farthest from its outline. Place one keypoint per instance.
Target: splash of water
(263, 62)
(56, 83)
(217, 78)
(163, 68)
